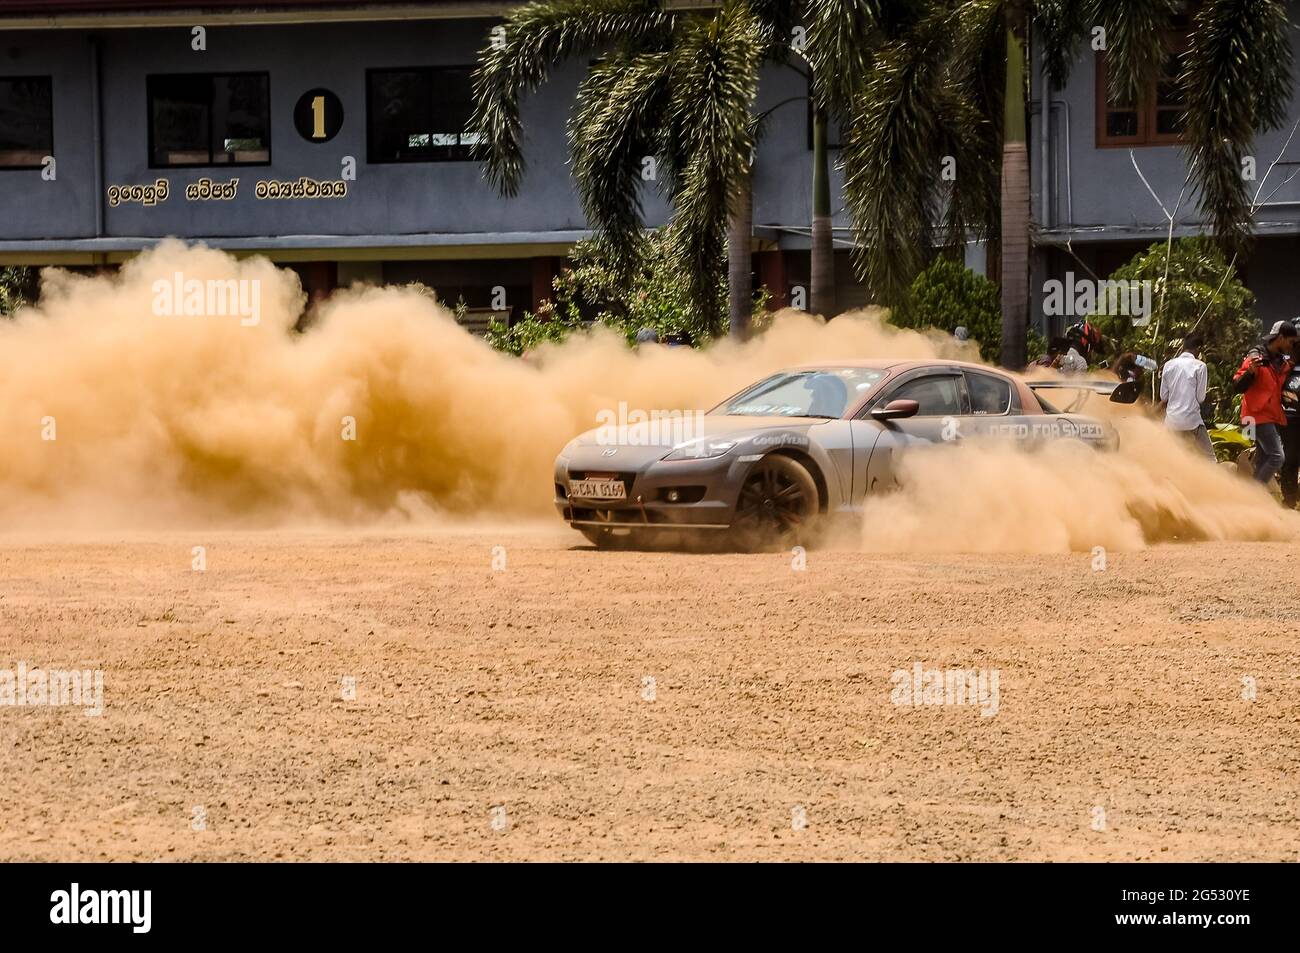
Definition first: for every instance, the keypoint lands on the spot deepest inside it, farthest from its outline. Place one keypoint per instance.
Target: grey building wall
(1098, 210)
(447, 199)
(32, 207)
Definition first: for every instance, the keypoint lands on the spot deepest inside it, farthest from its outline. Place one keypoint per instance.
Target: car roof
(893, 364)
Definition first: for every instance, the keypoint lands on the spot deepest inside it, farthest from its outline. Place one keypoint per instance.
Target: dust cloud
(1064, 497)
(385, 411)
(114, 415)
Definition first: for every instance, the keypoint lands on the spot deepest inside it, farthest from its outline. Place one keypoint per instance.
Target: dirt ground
(582, 705)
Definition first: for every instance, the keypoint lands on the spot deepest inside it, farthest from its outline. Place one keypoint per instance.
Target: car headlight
(701, 449)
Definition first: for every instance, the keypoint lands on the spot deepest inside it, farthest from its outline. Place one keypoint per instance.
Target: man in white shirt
(1182, 391)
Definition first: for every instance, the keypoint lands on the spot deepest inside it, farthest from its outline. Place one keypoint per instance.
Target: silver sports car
(809, 442)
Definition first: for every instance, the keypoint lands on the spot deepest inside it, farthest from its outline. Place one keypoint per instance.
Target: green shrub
(17, 287)
(948, 295)
(590, 291)
(530, 331)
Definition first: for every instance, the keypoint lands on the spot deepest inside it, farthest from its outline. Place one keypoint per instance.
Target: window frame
(1177, 40)
(912, 377)
(149, 118)
(1013, 396)
(370, 129)
(49, 78)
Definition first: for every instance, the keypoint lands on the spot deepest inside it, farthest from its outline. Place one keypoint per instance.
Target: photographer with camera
(1259, 380)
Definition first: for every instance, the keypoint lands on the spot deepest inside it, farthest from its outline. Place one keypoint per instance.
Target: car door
(1029, 429)
(940, 393)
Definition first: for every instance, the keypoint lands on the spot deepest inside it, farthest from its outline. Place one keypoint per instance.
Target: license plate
(597, 489)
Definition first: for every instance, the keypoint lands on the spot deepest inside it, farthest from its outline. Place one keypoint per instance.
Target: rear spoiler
(1119, 392)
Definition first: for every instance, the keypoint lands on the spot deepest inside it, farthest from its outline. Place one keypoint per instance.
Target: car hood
(668, 433)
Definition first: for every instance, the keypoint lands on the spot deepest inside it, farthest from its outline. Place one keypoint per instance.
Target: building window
(26, 121)
(420, 114)
(205, 119)
(1155, 117)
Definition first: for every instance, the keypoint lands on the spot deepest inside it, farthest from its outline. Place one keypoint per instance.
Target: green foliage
(1035, 344)
(17, 287)
(948, 295)
(528, 333)
(673, 87)
(592, 290)
(925, 84)
(1203, 295)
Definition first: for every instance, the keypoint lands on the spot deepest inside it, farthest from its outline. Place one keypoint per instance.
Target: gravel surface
(573, 704)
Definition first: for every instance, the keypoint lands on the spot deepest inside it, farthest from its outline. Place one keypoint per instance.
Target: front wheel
(777, 506)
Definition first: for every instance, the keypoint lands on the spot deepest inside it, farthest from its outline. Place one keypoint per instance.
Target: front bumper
(710, 503)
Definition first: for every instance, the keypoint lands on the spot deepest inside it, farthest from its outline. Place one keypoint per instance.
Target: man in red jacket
(1259, 380)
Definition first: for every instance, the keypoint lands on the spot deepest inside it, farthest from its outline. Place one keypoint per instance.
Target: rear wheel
(777, 506)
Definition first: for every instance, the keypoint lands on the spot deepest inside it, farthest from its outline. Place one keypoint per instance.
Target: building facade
(1108, 177)
(329, 136)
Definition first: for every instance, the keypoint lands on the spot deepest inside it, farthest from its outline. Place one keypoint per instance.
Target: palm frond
(709, 138)
(538, 36)
(842, 38)
(1061, 24)
(616, 126)
(775, 21)
(1237, 76)
(892, 159)
(971, 207)
(1134, 51)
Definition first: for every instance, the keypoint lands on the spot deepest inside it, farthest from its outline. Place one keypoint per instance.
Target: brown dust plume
(164, 421)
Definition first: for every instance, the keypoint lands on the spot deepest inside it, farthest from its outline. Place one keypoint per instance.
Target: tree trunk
(823, 246)
(740, 260)
(1015, 211)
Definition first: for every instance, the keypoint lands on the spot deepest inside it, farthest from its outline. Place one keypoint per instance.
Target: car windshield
(820, 393)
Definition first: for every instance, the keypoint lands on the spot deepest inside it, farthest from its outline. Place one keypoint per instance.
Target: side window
(989, 395)
(939, 396)
(209, 119)
(421, 114)
(26, 122)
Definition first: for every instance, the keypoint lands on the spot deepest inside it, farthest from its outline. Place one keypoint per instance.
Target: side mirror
(896, 410)
(1125, 393)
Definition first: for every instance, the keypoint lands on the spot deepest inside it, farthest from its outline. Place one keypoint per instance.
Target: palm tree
(822, 257)
(678, 87)
(947, 87)
(675, 87)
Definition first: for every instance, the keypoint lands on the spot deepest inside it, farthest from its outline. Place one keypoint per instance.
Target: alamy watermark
(622, 427)
(29, 688)
(1086, 298)
(954, 686)
(179, 296)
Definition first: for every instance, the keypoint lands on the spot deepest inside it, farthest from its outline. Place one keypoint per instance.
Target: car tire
(778, 505)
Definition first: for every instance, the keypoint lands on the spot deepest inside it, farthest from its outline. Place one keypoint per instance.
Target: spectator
(1073, 361)
(1290, 473)
(1259, 380)
(1084, 340)
(1183, 382)
(1055, 351)
(647, 336)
